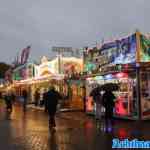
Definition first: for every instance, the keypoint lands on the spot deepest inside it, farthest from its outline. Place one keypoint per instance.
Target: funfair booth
(125, 62)
(21, 76)
(56, 72)
(37, 77)
(60, 71)
(73, 83)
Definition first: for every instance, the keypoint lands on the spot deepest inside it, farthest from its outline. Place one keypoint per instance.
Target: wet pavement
(75, 131)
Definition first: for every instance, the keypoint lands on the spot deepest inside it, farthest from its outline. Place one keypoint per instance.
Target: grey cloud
(47, 23)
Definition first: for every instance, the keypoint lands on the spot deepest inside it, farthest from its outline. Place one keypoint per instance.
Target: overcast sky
(76, 23)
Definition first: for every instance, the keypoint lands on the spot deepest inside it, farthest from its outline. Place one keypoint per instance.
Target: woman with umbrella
(97, 97)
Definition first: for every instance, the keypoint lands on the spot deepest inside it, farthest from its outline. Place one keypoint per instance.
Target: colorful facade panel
(144, 48)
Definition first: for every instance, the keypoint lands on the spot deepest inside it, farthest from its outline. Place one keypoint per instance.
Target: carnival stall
(37, 77)
(72, 68)
(91, 84)
(126, 62)
(57, 72)
(21, 76)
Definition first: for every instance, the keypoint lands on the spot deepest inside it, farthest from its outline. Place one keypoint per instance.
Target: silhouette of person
(37, 98)
(52, 97)
(108, 103)
(25, 96)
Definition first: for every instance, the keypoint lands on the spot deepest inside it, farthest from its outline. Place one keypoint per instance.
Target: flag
(25, 54)
(17, 59)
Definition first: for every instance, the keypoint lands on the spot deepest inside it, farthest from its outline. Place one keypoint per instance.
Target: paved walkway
(75, 131)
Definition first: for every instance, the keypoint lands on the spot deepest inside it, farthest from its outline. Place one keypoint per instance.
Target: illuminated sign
(71, 65)
(45, 69)
(121, 75)
(119, 52)
(122, 51)
(108, 76)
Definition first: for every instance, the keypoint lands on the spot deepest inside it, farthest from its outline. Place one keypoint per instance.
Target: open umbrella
(110, 86)
(95, 91)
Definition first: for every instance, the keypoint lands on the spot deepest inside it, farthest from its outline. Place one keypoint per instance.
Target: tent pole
(138, 77)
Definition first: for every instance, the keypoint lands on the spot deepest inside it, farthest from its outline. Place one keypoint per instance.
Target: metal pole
(59, 69)
(138, 92)
(59, 64)
(138, 88)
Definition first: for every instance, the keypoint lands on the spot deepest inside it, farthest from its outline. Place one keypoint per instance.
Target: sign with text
(62, 49)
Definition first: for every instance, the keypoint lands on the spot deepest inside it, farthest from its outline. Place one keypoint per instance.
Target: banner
(25, 54)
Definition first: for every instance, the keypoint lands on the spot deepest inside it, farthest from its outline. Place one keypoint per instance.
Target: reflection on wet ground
(75, 131)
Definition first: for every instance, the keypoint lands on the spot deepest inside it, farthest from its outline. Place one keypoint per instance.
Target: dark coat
(51, 98)
(8, 101)
(108, 103)
(37, 96)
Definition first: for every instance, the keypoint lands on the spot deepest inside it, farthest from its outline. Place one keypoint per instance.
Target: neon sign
(121, 75)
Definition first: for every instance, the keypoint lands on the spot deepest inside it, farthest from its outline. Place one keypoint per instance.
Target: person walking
(45, 101)
(97, 98)
(37, 98)
(84, 98)
(8, 97)
(25, 96)
(52, 97)
(108, 103)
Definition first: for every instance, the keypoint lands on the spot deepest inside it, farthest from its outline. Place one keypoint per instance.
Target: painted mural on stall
(119, 52)
(122, 51)
(145, 48)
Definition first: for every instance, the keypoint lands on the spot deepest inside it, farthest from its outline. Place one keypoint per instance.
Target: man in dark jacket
(51, 99)
(108, 103)
(45, 101)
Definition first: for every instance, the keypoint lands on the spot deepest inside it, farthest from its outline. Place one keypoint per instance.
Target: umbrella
(95, 91)
(110, 86)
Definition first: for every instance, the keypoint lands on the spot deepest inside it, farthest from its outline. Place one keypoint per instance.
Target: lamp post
(59, 63)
